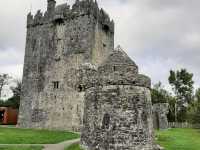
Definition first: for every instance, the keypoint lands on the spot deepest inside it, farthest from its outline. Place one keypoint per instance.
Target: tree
(159, 94)
(182, 84)
(172, 111)
(197, 94)
(14, 101)
(17, 89)
(2, 103)
(4, 78)
(193, 113)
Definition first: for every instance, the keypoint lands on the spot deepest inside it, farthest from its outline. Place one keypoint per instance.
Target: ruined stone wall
(117, 117)
(160, 112)
(58, 42)
(117, 111)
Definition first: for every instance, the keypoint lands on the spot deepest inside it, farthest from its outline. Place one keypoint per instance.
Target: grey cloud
(158, 34)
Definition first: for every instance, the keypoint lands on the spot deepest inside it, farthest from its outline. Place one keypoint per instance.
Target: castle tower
(51, 5)
(57, 43)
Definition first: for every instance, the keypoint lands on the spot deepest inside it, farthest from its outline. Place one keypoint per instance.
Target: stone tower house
(57, 43)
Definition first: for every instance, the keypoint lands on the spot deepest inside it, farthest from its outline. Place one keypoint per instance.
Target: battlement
(63, 13)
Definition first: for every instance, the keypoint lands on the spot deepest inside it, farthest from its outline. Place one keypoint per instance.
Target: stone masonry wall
(58, 42)
(160, 112)
(117, 118)
(117, 109)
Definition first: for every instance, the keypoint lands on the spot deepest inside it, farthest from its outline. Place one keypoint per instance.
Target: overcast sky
(158, 35)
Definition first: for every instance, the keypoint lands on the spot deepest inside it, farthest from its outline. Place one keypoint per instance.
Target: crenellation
(64, 13)
(38, 18)
(29, 19)
(51, 6)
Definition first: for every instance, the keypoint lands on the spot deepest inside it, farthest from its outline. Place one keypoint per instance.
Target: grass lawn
(74, 147)
(179, 139)
(30, 136)
(173, 139)
(22, 148)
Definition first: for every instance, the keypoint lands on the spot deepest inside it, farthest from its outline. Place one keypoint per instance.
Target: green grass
(30, 136)
(173, 139)
(179, 139)
(74, 147)
(22, 148)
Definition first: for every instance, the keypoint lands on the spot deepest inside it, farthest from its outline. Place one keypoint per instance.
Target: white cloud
(14, 70)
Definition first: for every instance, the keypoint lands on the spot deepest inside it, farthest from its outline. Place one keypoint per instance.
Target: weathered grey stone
(73, 77)
(160, 112)
(117, 111)
(58, 42)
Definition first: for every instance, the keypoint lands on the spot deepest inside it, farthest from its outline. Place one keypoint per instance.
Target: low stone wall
(160, 111)
(183, 125)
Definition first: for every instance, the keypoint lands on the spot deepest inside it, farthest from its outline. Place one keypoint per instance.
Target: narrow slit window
(34, 42)
(114, 68)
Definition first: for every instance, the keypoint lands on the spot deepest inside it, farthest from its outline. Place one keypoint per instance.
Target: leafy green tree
(197, 94)
(193, 114)
(2, 103)
(159, 94)
(14, 101)
(182, 84)
(171, 115)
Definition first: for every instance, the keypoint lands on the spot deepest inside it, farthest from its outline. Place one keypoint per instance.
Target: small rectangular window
(114, 68)
(56, 85)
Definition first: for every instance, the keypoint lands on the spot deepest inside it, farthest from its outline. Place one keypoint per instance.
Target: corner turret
(51, 6)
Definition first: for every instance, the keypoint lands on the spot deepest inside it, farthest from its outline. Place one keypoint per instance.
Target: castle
(57, 43)
(75, 80)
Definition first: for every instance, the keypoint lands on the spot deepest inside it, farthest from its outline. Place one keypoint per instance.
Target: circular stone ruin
(117, 111)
